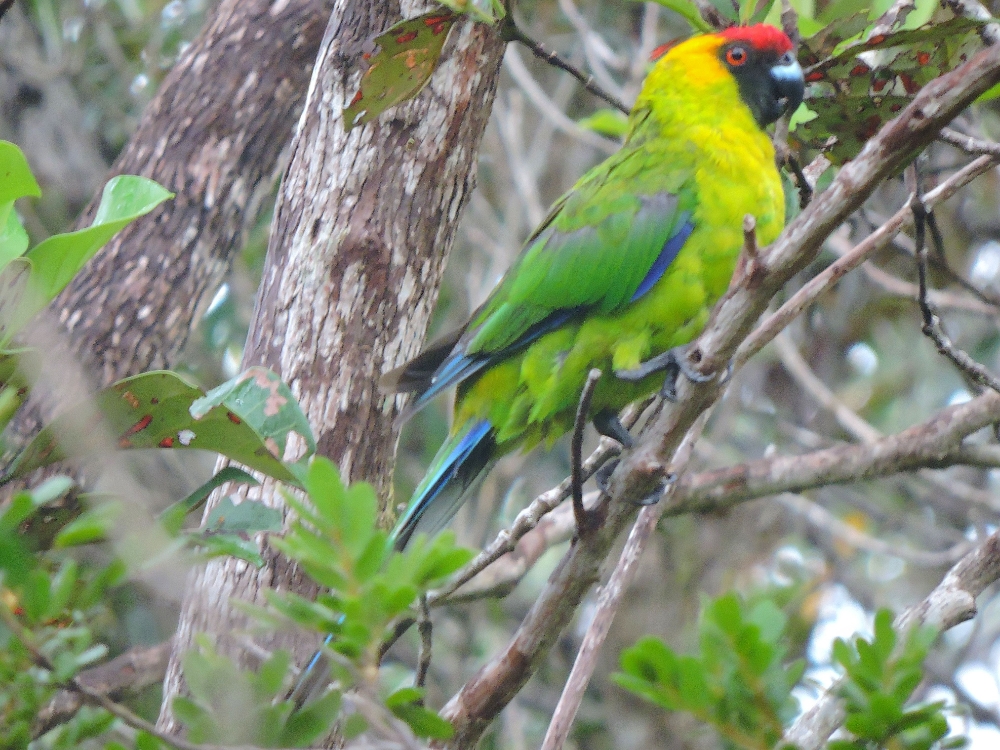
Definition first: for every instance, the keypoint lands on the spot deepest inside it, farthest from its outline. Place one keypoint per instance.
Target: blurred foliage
(739, 682)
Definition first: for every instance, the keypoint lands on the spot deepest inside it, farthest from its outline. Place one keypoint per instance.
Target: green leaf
(406, 55)
(607, 122)
(173, 515)
(13, 238)
(311, 721)
(57, 260)
(216, 545)
(350, 514)
(688, 11)
(403, 696)
(91, 526)
(249, 516)
(853, 97)
(16, 180)
(424, 722)
(248, 423)
(261, 398)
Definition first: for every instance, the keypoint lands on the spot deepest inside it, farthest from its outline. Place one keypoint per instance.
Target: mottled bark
(214, 135)
(362, 228)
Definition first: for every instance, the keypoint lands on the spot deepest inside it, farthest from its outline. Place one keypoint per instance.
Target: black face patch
(770, 83)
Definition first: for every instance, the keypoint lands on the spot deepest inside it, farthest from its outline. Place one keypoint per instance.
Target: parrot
(620, 275)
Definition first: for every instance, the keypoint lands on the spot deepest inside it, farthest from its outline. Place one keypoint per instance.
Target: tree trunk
(214, 134)
(362, 228)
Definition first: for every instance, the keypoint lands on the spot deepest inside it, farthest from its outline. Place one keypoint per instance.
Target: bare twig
(863, 250)
(609, 601)
(968, 144)
(135, 669)
(425, 628)
(519, 72)
(800, 371)
(595, 49)
(953, 601)
(511, 33)
(931, 322)
(934, 442)
(576, 451)
(822, 519)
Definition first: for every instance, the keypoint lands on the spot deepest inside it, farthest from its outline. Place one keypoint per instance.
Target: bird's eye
(786, 59)
(736, 56)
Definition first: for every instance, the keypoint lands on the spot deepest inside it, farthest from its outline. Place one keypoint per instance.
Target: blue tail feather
(459, 464)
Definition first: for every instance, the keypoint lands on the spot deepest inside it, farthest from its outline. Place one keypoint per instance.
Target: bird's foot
(672, 363)
(603, 476)
(607, 423)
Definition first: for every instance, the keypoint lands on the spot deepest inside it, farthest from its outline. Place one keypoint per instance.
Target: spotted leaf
(857, 89)
(248, 420)
(400, 63)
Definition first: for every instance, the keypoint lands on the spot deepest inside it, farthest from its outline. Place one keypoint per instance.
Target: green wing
(598, 246)
(603, 245)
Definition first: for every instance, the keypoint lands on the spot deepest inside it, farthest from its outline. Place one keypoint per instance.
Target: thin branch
(968, 144)
(952, 602)
(848, 262)
(822, 519)
(510, 32)
(803, 375)
(519, 72)
(940, 298)
(610, 600)
(595, 49)
(133, 670)
(576, 452)
(934, 442)
(931, 327)
(425, 629)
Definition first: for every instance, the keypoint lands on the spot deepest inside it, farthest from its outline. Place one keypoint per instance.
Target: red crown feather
(761, 36)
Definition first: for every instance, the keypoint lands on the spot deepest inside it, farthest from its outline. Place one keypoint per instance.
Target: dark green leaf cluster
(880, 676)
(337, 542)
(51, 605)
(738, 682)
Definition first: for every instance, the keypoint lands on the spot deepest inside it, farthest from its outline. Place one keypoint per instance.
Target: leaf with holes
(856, 90)
(400, 63)
(247, 419)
